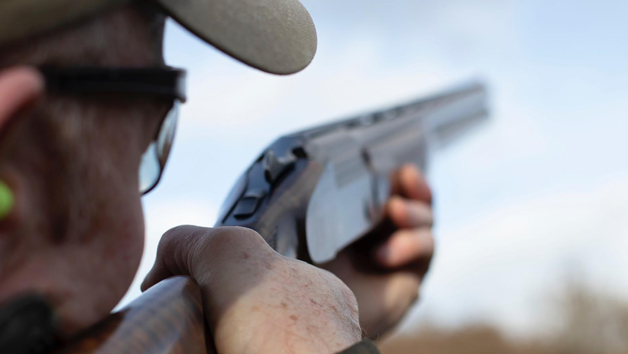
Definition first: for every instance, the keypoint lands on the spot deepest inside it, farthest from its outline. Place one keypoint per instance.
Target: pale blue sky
(540, 191)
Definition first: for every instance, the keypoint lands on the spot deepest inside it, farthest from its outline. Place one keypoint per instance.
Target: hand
(255, 300)
(385, 297)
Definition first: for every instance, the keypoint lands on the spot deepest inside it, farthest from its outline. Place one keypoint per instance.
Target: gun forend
(315, 192)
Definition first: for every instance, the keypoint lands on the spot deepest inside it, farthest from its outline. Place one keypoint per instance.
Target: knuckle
(396, 205)
(410, 167)
(430, 244)
(343, 293)
(169, 238)
(178, 245)
(184, 236)
(227, 241)
(422, 212)
(247, 233)
(178, 232)
(429, 213)
(235, 235)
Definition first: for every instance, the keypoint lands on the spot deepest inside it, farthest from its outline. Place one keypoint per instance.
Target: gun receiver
(315, 192)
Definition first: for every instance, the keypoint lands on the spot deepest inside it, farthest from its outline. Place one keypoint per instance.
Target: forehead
(125, 38)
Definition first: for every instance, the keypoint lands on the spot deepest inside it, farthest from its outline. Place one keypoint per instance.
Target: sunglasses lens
(149, 169)
(167, 133)
(155, 158)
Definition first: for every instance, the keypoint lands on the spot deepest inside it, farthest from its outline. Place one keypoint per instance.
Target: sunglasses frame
(162, 81)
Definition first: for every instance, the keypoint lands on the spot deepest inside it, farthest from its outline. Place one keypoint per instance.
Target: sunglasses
(164, 82)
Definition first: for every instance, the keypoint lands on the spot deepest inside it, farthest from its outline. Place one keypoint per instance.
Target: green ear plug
(6, 200)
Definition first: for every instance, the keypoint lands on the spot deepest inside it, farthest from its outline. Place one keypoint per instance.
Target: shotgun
(313, 193)
(310, 195)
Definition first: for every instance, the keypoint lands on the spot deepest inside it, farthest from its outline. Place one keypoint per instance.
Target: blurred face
(75, 232)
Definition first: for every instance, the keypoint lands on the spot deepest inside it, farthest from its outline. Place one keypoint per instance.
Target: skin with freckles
(255, 300)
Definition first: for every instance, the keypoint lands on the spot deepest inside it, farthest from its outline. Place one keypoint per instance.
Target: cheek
(107, 269)
(127, 244)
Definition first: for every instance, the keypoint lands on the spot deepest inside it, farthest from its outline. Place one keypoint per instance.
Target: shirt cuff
(364, 347)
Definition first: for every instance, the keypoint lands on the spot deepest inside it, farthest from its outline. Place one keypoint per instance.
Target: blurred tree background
(587, 322)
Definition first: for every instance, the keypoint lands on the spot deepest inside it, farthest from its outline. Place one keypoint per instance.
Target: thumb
(176, 248)
(158, 273)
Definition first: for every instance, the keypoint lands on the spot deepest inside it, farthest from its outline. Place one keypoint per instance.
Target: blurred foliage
(589, 323)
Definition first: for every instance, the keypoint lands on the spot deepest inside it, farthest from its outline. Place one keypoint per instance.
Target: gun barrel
(421, 108)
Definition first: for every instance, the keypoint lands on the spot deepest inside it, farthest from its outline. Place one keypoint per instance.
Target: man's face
(76, 232)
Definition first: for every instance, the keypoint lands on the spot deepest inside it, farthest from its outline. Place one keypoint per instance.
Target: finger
(410, 214)
(173, 253)
(412, 184)
(405, 247)
(18, 88)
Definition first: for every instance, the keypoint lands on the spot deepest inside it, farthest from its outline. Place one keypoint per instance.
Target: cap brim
(276, 36)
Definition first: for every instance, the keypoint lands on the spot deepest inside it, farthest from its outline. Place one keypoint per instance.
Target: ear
(19, 87)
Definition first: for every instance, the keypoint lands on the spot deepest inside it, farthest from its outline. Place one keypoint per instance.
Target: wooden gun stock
(167, 319)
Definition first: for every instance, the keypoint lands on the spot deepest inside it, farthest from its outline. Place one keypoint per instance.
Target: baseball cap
(276, 36)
